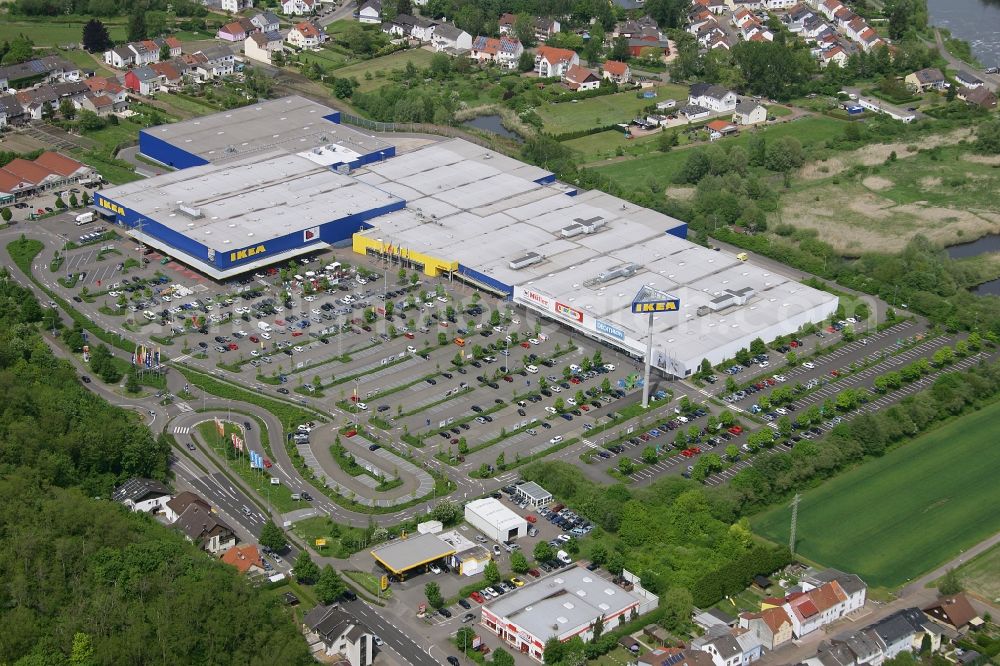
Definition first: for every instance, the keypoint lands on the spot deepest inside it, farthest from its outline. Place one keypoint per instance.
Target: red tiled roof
(173, 42)
(615, 67)
(307, 29)
(554, 55)
(243, 558)
(233, 28)
(28, 171)
(8, 181)
(719, 125)
(166, 70)
(507, 19)
(57, 163)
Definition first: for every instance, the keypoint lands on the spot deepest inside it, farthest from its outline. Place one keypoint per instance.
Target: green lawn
(398, 60)
(87, 61)
(52, 31)
(280, 496)
(811, 131)
(892, 519)
(341, 540)
(981, 575)
(601, 111)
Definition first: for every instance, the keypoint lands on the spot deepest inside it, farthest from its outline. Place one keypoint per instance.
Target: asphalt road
(393, 638)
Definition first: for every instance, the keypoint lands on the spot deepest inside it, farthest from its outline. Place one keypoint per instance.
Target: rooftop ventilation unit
(525, 260)
(741, 296)
(591, 225)
(625, 270)
(190, 211)
(344, 169)
(574, 229)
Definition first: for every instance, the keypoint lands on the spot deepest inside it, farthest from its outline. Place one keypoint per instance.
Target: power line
(795, 522)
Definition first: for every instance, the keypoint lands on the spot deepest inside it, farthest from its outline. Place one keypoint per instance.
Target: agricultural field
(981, 575)
(601, 111)
(892, 519)
(810, 131)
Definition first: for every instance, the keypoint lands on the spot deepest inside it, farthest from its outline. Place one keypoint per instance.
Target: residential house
(554, 62)
(422, 29)
(545, 28)
(142, 80)
(506, 24)
(926, 79)
(110, 87)
(981, 96)
(580, 79)
(171, 72)
(340, 633)
(749, 112)
(967, 80)
(751, 648)
(714, 6)
(618, 72)
(145, 53)
(297, 7)
(48, 69)
(795, 17)
(201, 525)
(11, 111)
(261, 46)
(755, 5)
(232, 32)
(648, 45)
(854, 28)
(822, 598)
(637, 28)
(904, 631)
(955, 610)
(370, 11)
(213, 62)
(102, 105)
(870, 40)
(306, 35)
(771, 626)
(119, 57)
(235, 6)
(137, 494)
(33, 101)
(835, 54)
(712, 97)
(724, 650)
(449, 38)
(246, 559)
(829, 8)
(265, 22)
(174, 507)
(742, 18)
(773, 5)
(675, 657)
(503, 52)
(720, 128)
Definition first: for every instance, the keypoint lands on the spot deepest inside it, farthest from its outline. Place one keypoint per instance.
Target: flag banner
(219, 428)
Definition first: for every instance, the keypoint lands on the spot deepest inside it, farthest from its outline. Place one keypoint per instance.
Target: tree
(306, 571)
(433, 594)
(757, 347)
(502, 658)
(988, 137)
(620, 50)
(543, 552)
(676, 605)
(18, 50)
(82, 653)
(950, 583)
(518, 562)
(626, 466)
(526, 61)
(132, 382)
(73, 201)
(649, 455)
(559, 405)
(732, 452)
(616, 563)
(48, 111)
(95, 37)
(598, 627)
(272, 538)
(330, 586)
(6, 214)
(491, 573)
(137, 25)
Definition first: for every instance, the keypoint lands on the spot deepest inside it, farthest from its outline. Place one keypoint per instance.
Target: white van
(264, 326)
(532, 369)
(84, 218)
(564, 557)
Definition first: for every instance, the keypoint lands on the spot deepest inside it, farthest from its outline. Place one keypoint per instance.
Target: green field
(419, 57)
(603, 110)
(52, 32)
(895, 518)
(981, 575)
(811, 131)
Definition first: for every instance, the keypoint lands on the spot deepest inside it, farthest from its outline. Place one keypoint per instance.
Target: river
(975, 21)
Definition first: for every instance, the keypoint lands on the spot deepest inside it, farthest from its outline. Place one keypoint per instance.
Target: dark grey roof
(197, 522)
(36, 67)
(138, 489)
(145, 73)
(899, 626)
(448, 31)
(746, 106)
(864, 644)
(721, 617)
(693, 109)
(965, 77)
(929, 75)
(727, 646)
(331, 622)
(836, 654)
(850, 583)
(10, 107)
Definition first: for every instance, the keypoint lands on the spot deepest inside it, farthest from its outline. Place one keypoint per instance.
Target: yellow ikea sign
(246, 253)
(104, 203)
(655, 306)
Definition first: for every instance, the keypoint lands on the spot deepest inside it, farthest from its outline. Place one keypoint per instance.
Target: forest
(85, 581)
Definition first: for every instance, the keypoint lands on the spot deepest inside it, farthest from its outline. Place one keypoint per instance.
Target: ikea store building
(265, 183)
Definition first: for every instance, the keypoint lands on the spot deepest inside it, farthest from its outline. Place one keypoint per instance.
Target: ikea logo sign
(107, 205)
(246, 253)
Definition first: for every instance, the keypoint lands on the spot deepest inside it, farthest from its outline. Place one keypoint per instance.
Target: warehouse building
(563, 605)
(578, 258)
(268, 182)
(495, 520)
